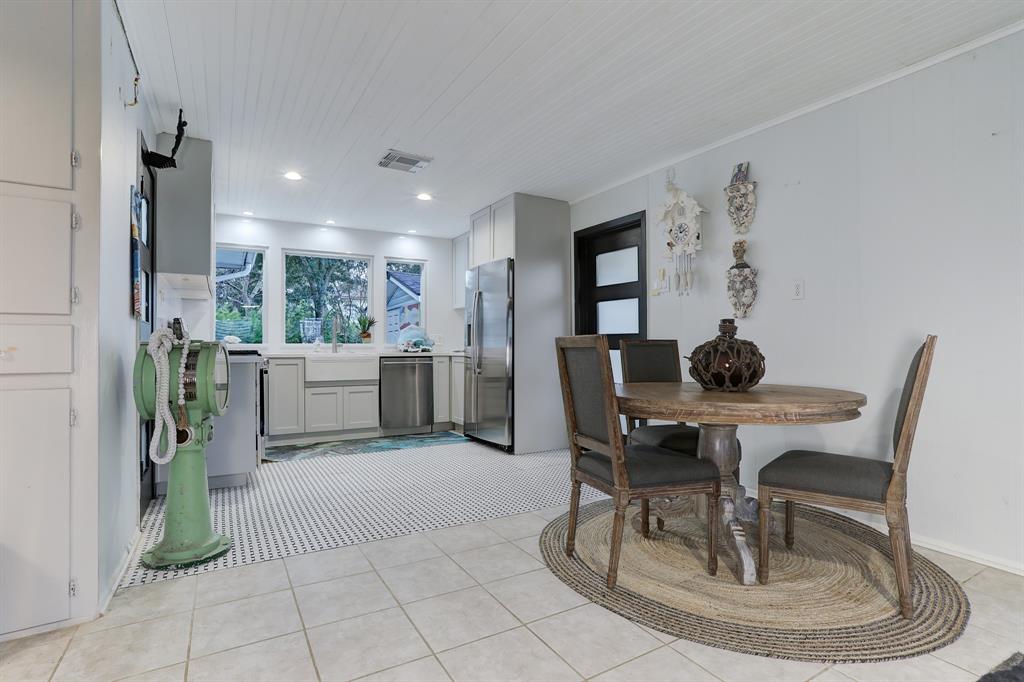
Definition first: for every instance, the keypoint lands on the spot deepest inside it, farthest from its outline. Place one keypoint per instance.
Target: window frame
(265, 250)
(423, 292)
(339, 255)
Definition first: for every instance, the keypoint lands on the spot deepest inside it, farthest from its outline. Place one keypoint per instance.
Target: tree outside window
(239, 278)
(404, 297)
(319, 287)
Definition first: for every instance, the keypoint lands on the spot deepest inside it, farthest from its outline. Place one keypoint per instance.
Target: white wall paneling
(900, 208)
(555, 99)
(36, 72)
(35, 505)
(35, 256)
(277, 237)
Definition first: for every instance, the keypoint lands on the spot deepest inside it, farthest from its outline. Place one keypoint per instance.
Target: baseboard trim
(957, 551)
(111, 590)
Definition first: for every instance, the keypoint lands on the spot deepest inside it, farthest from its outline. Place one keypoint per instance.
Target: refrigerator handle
(508, 338)
(478, 333)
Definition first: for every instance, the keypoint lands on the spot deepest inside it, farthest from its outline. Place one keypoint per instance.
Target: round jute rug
(833, 597)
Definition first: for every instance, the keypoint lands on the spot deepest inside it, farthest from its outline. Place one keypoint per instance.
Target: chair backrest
(588, 395)
(652, 360)
(907, 413)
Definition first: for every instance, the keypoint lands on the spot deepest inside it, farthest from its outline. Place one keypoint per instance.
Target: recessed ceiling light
(329, 222)
(402, 237)
(323, 229)
(412, 231)
(247, 213)
(293, 175)
(423, 196)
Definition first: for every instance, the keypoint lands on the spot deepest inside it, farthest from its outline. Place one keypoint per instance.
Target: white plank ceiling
(551, 98)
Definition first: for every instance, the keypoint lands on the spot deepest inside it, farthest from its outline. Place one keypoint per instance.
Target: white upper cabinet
(503, 229)
(460, 263)
(480, 237)
(35, 256)
(35, 88)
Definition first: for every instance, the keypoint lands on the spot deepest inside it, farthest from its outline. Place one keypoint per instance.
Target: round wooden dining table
(718, 414)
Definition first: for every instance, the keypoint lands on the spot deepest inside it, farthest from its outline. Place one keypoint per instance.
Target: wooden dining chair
(855, 483)
(602, 460)
(657, 360)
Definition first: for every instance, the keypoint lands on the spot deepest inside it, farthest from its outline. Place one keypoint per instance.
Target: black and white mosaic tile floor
(325, 502)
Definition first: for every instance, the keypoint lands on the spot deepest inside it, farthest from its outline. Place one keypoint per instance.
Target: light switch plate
(798, 290)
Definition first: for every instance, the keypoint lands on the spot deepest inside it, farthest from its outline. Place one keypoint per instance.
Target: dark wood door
(610, 273)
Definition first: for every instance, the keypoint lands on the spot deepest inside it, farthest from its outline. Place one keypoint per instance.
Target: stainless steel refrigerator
(489, 325)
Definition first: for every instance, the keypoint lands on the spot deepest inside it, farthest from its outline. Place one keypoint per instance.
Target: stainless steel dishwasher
(407, 392)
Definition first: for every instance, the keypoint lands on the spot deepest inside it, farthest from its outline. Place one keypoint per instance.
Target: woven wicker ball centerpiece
(726, 363)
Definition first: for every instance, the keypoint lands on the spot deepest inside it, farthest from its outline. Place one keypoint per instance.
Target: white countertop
(356, 355)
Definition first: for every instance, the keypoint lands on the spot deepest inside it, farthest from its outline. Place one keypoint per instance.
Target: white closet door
(36, 83)
(35, 501)
(35, 256)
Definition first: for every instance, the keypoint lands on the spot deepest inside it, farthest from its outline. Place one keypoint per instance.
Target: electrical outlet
(798, 290)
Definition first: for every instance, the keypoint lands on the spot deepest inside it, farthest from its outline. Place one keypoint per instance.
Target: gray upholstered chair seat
(649, 466)
(824, 472)
(678, 437)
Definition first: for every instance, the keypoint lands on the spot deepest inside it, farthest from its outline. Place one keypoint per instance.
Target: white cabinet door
(361, 407)
(458, 389)
(442, 390)
(36, 75)
(460, 263)
(35, 254)
(35, 505)
(287, 396)
(324, 411)
(503, 229)
(480, 237)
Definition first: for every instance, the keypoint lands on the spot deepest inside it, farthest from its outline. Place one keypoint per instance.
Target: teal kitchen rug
(294, 453)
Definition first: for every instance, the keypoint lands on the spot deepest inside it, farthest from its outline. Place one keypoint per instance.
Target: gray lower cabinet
(361, 407)
(287, 398)
(325, 409)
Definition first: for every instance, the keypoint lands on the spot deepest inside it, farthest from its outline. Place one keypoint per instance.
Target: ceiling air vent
(404, 161)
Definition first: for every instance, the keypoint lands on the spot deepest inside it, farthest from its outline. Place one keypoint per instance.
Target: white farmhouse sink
(342, 367)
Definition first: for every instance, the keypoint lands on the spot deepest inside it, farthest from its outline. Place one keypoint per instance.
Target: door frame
(583, 272)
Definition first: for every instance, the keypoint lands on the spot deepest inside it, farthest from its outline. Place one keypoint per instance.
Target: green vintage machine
(182, 384)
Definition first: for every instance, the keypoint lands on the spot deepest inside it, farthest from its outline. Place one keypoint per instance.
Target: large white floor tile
(427, 578)
(593, 639)
(272, 660)
(31, 663)
(367, 644)
(998, 583)
(552, 513)
(459, 617)
(172, 673)
(1003, 614)
(401, 550)
(229, 584)
(978, 650)
(134, 604)
(342, 598)
(487, 564)
(512, 655)
(518, 526)
(330, 563)
(535, 595)
(461, 538)
(423, 670)
(126, 650)
(244, 621)
(959, 569)
(735, 667)
(62, 636)
(661, 665)
(530, 545)
(925, 668)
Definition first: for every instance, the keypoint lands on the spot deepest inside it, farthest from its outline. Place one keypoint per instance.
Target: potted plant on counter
(366, 323)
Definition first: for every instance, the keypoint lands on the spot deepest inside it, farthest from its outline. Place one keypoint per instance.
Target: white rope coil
(161, 343)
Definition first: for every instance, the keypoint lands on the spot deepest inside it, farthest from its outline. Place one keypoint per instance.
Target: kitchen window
(404, 298)
(319, 287)
(239, 277)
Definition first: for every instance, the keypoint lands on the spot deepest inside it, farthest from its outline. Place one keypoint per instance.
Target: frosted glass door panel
(618, 317)
(617, 267)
